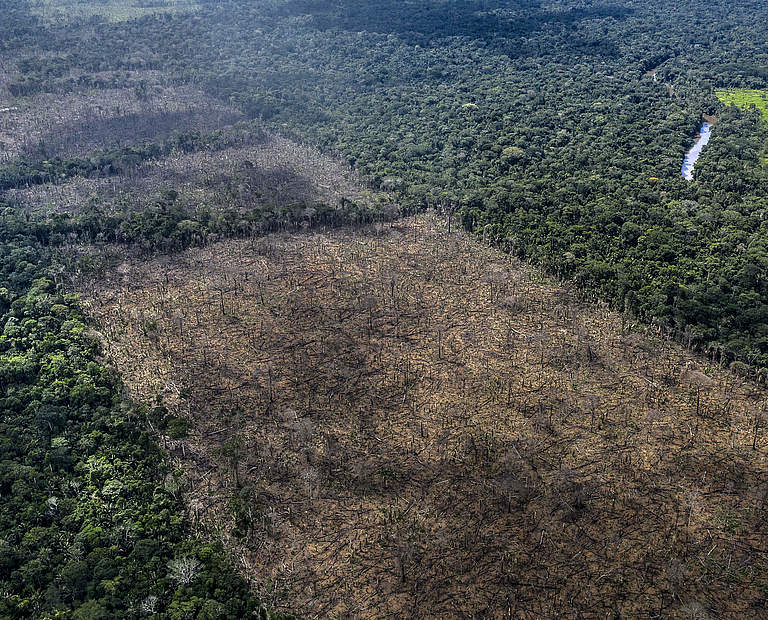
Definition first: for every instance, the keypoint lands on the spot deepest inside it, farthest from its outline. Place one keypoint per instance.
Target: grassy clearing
(113, 10)
(399, 421)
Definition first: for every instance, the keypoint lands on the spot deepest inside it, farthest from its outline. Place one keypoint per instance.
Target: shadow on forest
(423, 23)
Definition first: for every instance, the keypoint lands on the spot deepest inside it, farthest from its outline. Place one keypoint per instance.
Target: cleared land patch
(274, 172)
(113, 10)
(47, 125)
(399, 420)
(744, 98)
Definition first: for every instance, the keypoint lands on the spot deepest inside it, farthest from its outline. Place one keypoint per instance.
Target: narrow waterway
(691, 156)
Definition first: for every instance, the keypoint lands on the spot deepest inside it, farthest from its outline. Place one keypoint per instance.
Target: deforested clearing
(269, 170)
(398, 420)
(76, 124)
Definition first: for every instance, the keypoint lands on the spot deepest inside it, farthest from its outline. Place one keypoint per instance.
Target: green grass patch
(113, 10)
(745, 98)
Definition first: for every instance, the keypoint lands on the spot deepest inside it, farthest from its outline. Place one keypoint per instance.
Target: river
(691, 156)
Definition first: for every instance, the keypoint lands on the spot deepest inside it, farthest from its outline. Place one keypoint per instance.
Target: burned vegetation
(54, 125)
(396, 420)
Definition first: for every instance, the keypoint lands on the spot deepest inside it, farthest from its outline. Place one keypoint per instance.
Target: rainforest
(363, 309)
